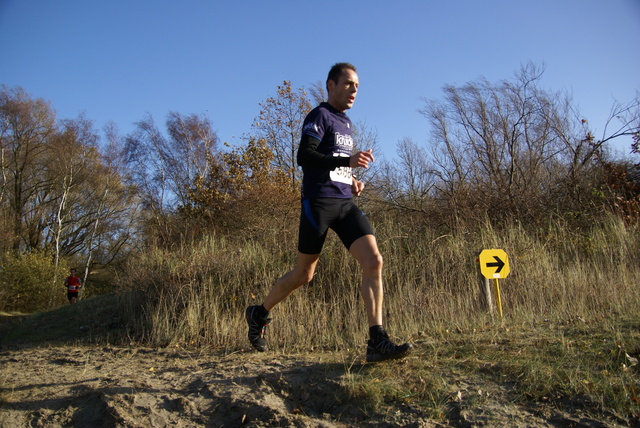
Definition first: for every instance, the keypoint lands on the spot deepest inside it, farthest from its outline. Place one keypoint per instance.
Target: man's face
(342, 95)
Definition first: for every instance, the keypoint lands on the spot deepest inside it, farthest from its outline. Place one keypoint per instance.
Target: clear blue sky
(118, 60)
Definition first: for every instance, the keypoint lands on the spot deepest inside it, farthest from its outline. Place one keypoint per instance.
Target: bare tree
(192, 142)
(625, 121)
(280, 123)
(407, 183)
(147, 153)
(511, 148)
(27, 126)
(164, 166)
(366, 138)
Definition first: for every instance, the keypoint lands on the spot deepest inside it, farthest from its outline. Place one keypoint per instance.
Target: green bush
(30, 282)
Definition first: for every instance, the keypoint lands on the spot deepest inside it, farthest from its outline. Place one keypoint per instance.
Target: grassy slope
(90, 321)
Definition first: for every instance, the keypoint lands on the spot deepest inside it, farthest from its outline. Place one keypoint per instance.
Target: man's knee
(305, 277)
(305, 268)
(373, 263)
(301, 275)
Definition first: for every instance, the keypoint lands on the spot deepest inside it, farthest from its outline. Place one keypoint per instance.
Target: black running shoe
(257, 325)
(384, 349)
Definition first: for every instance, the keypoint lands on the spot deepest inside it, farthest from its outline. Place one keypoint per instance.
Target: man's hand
(356, 187)
(361, 159)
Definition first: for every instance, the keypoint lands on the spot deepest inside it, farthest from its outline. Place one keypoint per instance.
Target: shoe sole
(376, 358)
(259, 346)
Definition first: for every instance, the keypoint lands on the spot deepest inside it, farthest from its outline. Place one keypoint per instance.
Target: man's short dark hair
(336, 71)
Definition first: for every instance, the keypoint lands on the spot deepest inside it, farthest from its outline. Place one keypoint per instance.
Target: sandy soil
(137, 387)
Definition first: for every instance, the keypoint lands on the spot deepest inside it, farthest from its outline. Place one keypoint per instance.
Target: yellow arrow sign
(494, 264)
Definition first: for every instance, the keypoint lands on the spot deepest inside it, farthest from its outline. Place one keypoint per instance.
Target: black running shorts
(319, 215)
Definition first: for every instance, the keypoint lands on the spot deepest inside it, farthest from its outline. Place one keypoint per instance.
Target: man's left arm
(356, 186)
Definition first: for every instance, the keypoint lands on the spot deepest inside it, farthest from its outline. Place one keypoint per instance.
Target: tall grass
(196, 293)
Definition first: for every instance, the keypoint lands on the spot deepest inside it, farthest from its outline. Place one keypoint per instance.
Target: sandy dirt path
(139, 387)
(120, 387)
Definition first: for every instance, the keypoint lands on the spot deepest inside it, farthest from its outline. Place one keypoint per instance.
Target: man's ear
(330, 85)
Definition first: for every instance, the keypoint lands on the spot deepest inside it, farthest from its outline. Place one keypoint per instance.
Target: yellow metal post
(498, 299)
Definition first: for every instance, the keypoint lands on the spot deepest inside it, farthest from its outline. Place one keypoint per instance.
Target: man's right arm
(309, 156)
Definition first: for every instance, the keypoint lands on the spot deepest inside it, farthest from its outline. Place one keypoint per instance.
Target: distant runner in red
(73, 285)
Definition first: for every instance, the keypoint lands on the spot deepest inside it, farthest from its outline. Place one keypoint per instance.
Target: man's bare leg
(379, 346)
(365, 250)
(258, 316)
(301, 274)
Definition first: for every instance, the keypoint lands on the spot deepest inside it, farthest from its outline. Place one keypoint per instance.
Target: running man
(328, 187)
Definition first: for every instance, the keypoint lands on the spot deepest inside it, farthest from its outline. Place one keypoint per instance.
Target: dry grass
(196, 293)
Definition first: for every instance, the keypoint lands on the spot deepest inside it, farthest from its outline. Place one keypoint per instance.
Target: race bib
(341, 174)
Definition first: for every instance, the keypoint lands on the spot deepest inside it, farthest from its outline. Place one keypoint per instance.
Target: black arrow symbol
(499, 264)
